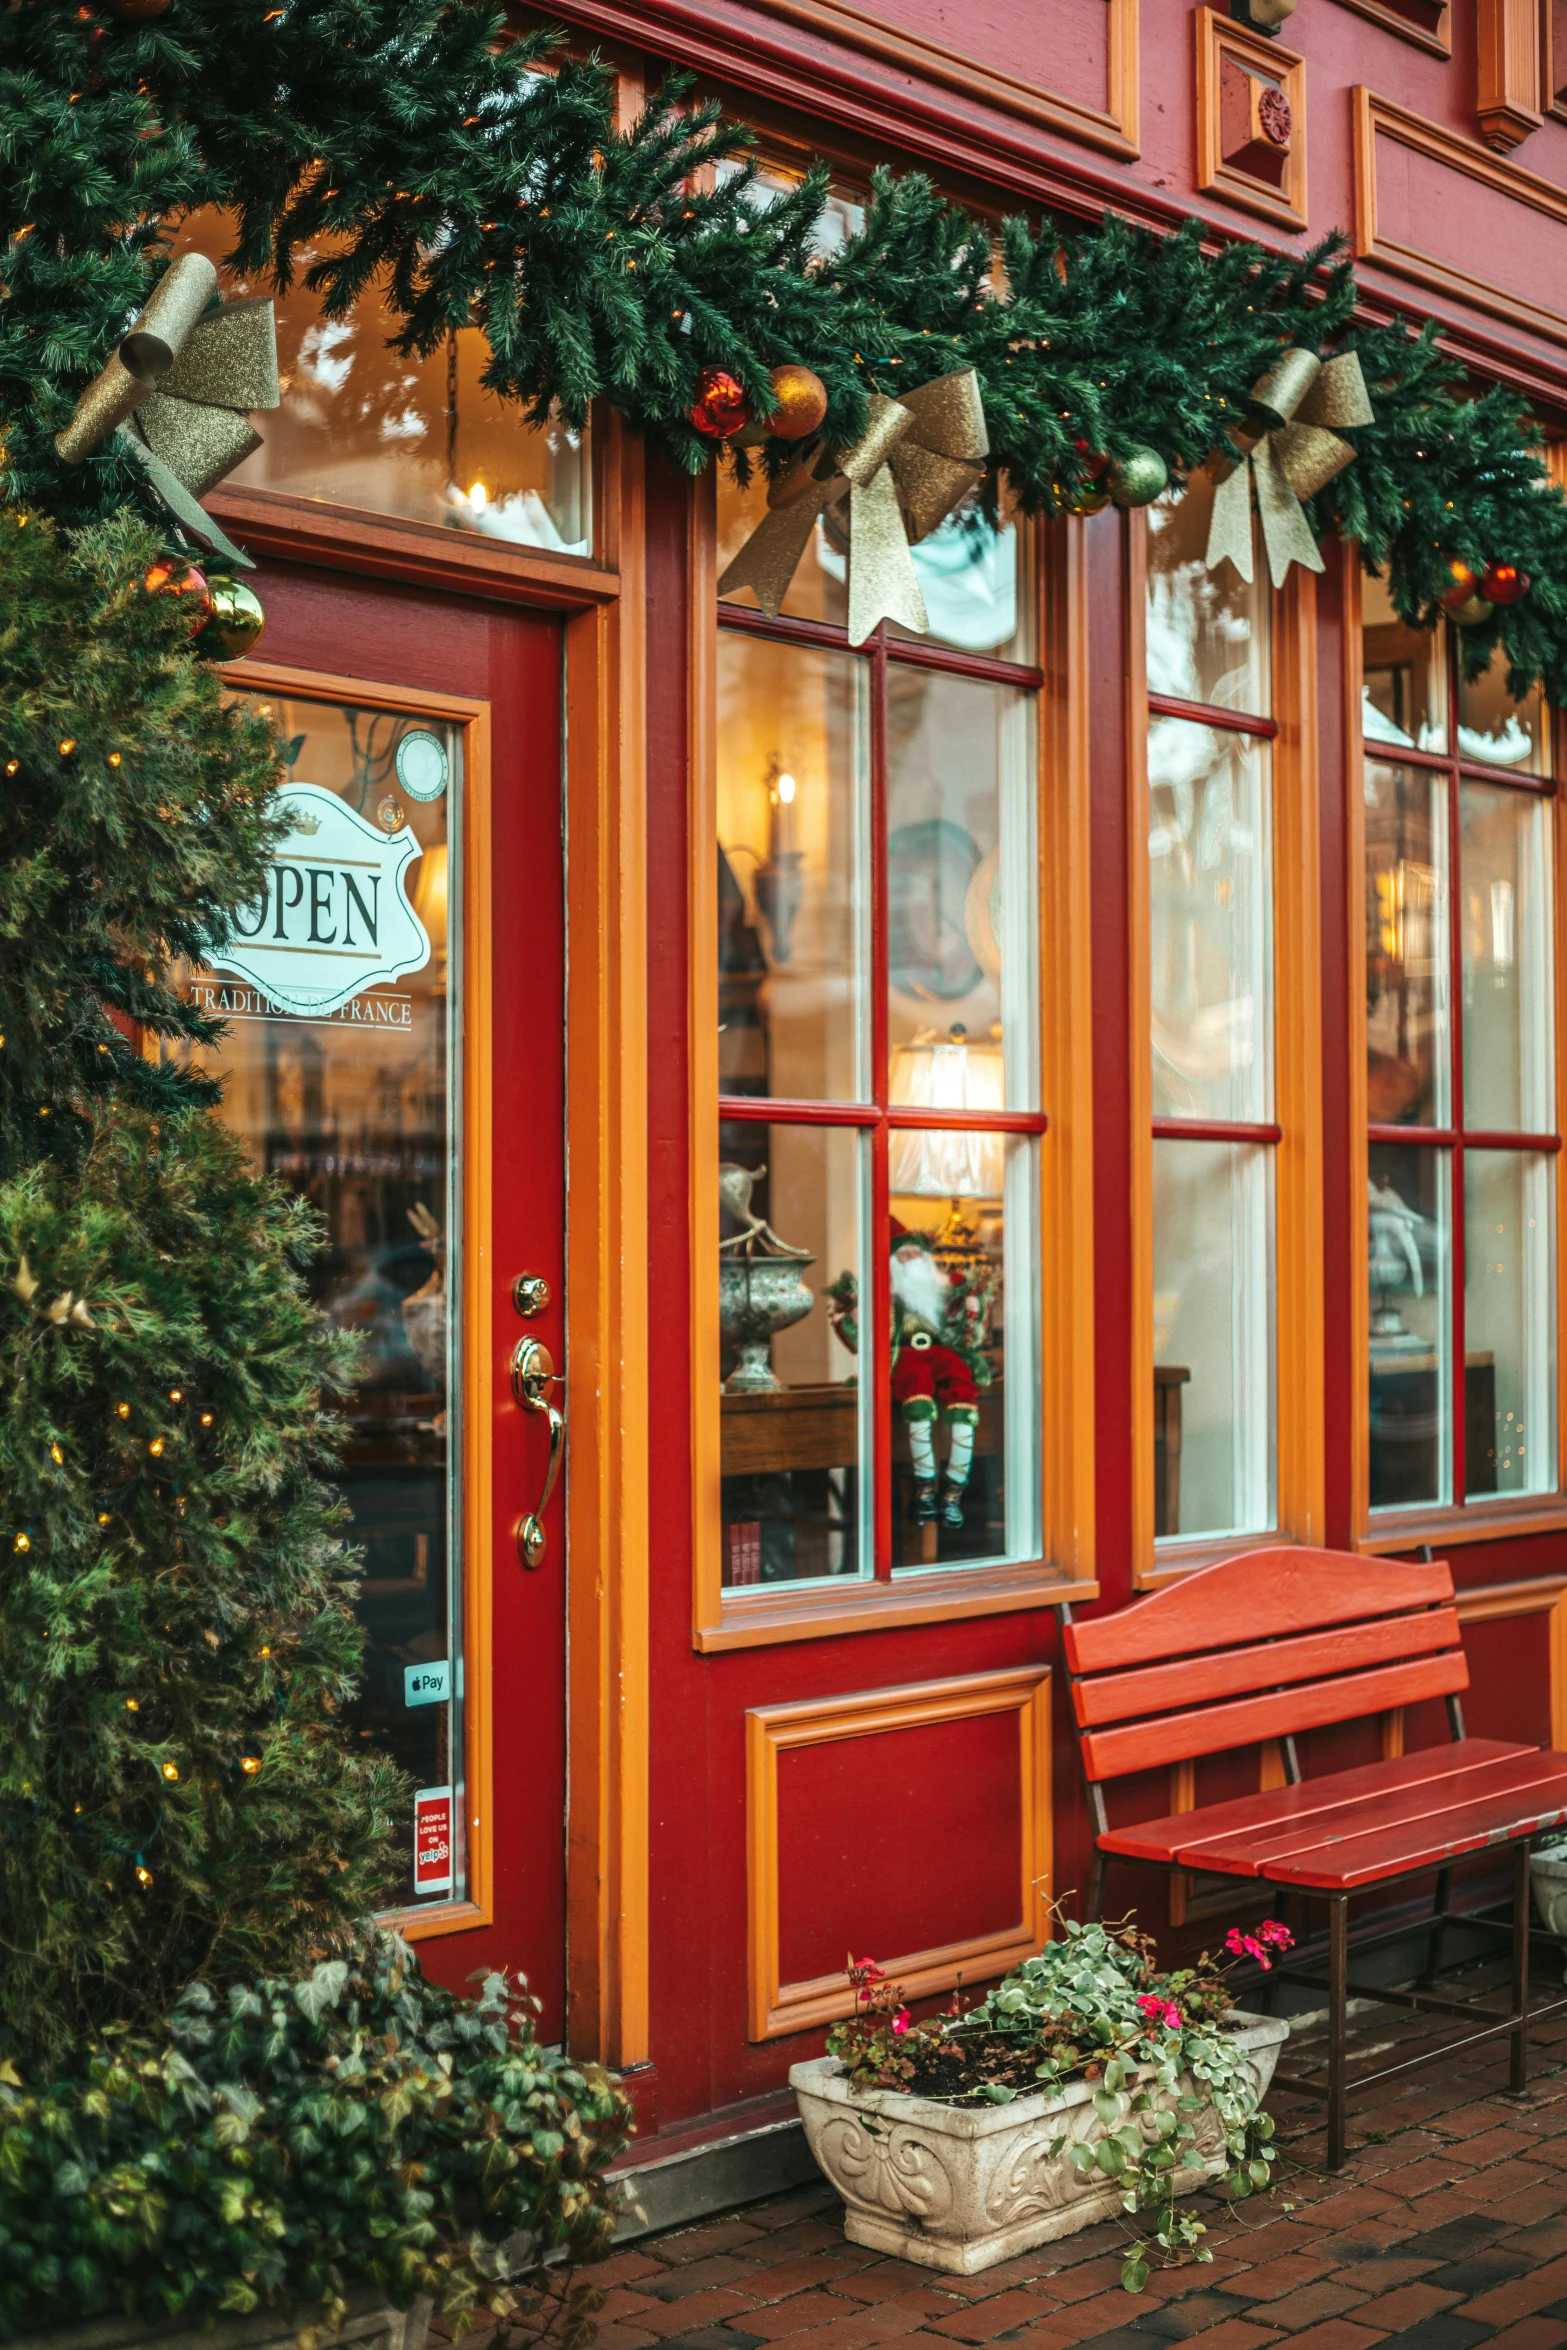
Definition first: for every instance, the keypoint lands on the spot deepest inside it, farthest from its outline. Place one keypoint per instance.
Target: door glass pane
(1213, 1338)
(1408, 1276)
(819, 589)
(961, 884)
(977, 582)
(1498, 731)
(1404, 694)
(340, 1079)
(1207, 630)
(1211, 892)
(1509, 1318)
(965, 1376)
(793, 908)
(1506, 932)
(422, 439)
(1406, 946)
(796, 1489)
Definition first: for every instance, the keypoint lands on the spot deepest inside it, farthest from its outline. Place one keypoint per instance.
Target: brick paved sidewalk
(1448, 2227)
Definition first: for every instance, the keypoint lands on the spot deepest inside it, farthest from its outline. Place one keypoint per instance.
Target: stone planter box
(961, 2187)
(371, 2324)
(1548, 1875)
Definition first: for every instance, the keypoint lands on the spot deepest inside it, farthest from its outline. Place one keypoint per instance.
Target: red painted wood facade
(744, 1805)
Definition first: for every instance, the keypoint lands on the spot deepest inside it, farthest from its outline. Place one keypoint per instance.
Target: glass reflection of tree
(373, 737)
(1203, 840)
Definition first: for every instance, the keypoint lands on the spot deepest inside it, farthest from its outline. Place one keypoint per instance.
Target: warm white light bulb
(478, 497)
(786, 789)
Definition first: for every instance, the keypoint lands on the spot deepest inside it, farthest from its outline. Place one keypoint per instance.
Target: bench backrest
(1259, 1647)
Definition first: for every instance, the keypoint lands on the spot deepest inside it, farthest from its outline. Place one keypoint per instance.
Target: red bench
(1266, 1646)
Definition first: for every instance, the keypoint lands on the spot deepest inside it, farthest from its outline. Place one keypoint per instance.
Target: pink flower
(900, 2022)
(1276, 1936)
(1160, 2011)
(1269, 1936)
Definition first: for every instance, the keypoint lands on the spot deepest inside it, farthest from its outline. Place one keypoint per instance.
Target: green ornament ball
(1088, 498)
(1138, 479)
(1471, 613)
(237, 621)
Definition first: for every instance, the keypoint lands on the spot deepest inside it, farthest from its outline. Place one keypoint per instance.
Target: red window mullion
(880, 1282)
(1214, 1130)
(1210, 714)
(1455, 1017)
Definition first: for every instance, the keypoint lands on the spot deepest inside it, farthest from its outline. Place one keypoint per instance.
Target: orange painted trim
(1139, 1056)
(422, 554)
(1113, 128)
(1219, 37)
(1508, 42)
(778, 2008)
(1066, 982)
(702, 997)
(948, 1595)
(606, 1281)
(1382, 12)
(477, 1909)
(1379, 117)
(1355, 1074)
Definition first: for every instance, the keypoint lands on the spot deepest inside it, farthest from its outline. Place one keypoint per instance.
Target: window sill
(1172, 1560)
(1544, 1513)
(428, 1920)
(821, 1613)
(350, 538)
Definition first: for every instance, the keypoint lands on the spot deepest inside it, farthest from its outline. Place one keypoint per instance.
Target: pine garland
(403, 141)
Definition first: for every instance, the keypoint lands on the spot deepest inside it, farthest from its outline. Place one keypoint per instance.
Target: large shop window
(341, 1073)
(878, 1061)
(1461, 1096)
(1215, 1136)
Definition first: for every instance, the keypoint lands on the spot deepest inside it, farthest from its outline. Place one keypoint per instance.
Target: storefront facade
(654, 995)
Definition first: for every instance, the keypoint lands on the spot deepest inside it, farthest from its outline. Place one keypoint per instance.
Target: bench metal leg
(1338, 1974)
(1096, 1886)
(1439, 1908)
(1518, 2078)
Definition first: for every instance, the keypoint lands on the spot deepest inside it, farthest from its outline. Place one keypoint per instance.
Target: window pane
(1509, 1319)
(978, 587)
(792, 1215)
(1495, 729)
(350, 1103)
(1207, 630)
(1213, 1338)
(1408, 1276)
(417, 438)
(961, 883)
(1404, 695)
(1406, 946)
(1504, 862)
(793, 819)
(819, 588)
(1211, 888)
(965, 1368)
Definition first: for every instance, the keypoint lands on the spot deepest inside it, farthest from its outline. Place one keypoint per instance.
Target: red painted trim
(1471, 1138)
(881, 1214)
(1206, 714)
(1213, 1130)
(1468, 770)
(763, 1111)
(786, 629)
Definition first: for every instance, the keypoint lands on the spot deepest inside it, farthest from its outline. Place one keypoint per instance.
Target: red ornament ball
(1095, 462)
(1504, 583)
(137, 11)
(720, 407)
(1466, 583)
(802, 403)
(167, 578)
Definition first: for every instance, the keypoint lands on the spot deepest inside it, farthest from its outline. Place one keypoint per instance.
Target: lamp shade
(946, 1073)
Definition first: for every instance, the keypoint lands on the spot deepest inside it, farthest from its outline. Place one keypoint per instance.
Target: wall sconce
(1264, 16)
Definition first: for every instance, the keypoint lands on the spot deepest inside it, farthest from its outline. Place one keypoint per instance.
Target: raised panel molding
(1425, 22)
(1251, 119)
(778, 2008)
(1114, 128)
(1509, 87)
(1379, 122)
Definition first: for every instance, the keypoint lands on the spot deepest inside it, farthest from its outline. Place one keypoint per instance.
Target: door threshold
(740, 2154)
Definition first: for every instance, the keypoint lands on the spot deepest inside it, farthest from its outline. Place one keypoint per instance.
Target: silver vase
(757, 1297)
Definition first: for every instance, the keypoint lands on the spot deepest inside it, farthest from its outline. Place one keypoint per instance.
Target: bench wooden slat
(1260, 1594)
(1464, 1766)
(1147, 1746)
(1446, 1835)
(1381, 1812)
(1270, 1664)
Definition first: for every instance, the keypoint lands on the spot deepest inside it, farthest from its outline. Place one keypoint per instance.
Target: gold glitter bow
(177, 390)
(918, 458)
(1289, 447)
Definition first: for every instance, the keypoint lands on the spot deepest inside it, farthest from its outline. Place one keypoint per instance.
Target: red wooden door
(396, 1053)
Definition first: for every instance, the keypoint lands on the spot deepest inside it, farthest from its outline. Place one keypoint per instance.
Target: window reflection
(421, 439)
(352, 1107)
(1409, 1276)
(1213, 1338)
(1509, 1313)
(1406, 946)
(1404, 694)
(1495, 730)
(1207, 630)
(1210, 868)
(1506, 943)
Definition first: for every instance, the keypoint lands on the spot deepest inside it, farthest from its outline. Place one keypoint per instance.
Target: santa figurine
(938, 1365)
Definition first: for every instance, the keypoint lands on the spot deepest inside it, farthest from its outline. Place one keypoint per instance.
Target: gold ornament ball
(237, 621)
(802, 403)
(1088, 498)
(1471, 613)
(1465, 587)
(1138, 479)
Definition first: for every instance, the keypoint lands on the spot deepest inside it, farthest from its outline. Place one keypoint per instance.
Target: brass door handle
(533, 1373)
